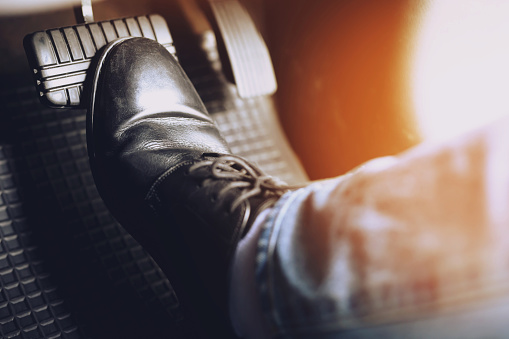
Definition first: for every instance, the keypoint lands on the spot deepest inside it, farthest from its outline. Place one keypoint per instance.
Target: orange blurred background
(366, 78)
(341, 69)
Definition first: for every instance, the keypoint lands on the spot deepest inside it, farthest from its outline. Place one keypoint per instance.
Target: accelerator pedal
(247, 53)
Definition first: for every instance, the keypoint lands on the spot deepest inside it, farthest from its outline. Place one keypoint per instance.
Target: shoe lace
(250, 179)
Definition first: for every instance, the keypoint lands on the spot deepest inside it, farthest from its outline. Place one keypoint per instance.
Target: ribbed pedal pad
(60, 57)
(249, 57)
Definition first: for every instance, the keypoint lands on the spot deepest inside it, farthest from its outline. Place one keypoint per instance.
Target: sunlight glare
(460, 71)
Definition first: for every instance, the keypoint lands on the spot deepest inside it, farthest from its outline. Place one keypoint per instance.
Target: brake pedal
(61, 57)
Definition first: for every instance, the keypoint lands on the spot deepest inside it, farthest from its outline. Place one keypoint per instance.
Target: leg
(408, 247)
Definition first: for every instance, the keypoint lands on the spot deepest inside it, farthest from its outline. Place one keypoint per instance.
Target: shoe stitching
(152, 192)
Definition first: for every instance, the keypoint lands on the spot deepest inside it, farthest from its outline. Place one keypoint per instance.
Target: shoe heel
(60, 58)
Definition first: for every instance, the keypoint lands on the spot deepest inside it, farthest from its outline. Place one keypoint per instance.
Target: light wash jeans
(413, 246)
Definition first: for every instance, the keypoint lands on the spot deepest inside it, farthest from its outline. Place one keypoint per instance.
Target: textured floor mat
(69, 269)
(250, 126)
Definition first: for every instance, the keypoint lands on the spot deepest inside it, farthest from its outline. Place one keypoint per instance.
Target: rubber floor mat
(69, 269)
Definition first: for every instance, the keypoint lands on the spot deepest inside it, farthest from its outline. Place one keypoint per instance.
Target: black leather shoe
(167, 175)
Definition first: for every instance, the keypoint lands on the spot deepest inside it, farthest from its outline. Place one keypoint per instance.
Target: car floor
(67, 268)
